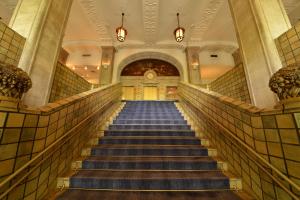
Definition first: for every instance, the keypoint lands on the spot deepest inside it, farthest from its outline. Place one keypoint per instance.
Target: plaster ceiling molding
(10, 4)
(150, 19)
(6, 9)
(290, 5)
(90, 9)
(219, 46)
(150, 46)
(150, 55)
(209, 14)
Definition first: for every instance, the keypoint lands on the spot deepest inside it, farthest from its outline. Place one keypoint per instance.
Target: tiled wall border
(11, 45)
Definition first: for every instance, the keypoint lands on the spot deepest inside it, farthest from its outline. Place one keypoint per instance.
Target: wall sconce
(195, 65)
(105, 65)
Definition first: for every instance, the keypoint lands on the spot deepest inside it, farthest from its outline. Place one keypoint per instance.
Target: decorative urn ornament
(286, 84)
(14, 81)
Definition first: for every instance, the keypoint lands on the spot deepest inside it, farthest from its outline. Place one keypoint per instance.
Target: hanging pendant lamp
(179, 31)
(121, 31)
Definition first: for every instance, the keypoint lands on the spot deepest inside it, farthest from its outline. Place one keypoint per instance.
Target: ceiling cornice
(150, 46)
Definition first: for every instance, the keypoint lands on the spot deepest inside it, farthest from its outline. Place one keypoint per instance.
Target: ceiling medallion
(179, 31)
(121, 31)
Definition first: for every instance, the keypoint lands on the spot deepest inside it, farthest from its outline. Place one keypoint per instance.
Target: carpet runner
(149, 151)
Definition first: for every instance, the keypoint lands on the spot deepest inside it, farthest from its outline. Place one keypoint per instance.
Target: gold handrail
(41, 154)
(278, 172)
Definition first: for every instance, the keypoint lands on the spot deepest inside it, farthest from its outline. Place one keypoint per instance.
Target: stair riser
(150, 152)
(181, 134)
(150, 165)
(148, 117)
(163, 184)
(177, 122)
(151, 141)
(149, 127)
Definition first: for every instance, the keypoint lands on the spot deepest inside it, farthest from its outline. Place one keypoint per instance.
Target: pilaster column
(258, 23)
(107, 64)
(193, 63)
(42, 23)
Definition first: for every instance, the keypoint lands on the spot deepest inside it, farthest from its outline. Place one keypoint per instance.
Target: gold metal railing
(255, 157)
(41, 157)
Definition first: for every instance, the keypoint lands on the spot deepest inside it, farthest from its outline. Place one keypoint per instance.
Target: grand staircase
(149, 152)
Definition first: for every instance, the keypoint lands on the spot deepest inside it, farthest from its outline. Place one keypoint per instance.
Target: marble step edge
(235, 183)
(88, 152)
(113, 116)
(95, 141)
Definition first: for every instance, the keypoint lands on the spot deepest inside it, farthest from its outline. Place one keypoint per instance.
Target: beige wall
(11, 45)
(288, 46)
(257, 24)
(139, 82)
(67, 83)
(43, 23)
(233, 83)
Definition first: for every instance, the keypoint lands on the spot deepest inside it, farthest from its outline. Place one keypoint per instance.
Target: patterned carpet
(148, 152)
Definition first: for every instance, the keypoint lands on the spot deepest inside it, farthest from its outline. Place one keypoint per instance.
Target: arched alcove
(150, 55)
(160, 67)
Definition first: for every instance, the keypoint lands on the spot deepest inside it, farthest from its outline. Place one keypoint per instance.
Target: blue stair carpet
(149, 147)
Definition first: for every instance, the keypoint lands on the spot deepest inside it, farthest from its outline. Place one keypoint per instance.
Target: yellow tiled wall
(26, 133)
(11, 45)
(233, 83)
(67, 83)
(288, 45)
(274, 134)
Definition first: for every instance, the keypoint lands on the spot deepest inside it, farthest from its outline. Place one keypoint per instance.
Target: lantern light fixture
(179, 31)
(121, 31)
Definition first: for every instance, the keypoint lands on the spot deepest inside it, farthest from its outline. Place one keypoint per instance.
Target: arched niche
(150, 55)
(140, 67)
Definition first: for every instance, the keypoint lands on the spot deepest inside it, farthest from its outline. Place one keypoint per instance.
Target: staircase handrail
(42, 155)
(255, 154)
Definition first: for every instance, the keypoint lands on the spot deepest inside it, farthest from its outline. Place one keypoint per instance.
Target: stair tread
(149, 146)
(151, 137)
(149, 175)
(76, 194)
(151, 130)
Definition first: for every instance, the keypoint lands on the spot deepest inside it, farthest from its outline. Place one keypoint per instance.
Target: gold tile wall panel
(273, 134)
(288, 46)
(233, 83)
(67, 83)
(11, 45)
(26, 133)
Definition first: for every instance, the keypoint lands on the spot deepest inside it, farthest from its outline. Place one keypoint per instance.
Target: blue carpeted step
(149, 133)
(145, 180)
(115, 150)
(149, 127)
(150, 140)
(148, 116)
(140, 121)
(172, 164)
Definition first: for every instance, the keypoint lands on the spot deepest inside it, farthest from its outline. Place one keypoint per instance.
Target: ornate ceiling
(150, 23)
